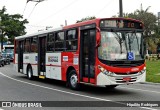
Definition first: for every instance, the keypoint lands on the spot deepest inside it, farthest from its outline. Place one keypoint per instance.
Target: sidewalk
(150, 83)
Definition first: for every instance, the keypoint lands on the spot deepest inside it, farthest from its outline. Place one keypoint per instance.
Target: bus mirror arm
(98, 37)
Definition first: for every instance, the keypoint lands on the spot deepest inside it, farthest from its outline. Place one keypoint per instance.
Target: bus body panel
(26, 61)
(69, 60)
(33, 61)
(16, 62)
(53, 66)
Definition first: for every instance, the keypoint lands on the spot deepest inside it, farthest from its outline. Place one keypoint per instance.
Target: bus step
(42, 77)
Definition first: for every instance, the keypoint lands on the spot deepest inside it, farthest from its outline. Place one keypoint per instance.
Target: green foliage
(13, 25)
(151, 30)
(153, 72)
(86, 19)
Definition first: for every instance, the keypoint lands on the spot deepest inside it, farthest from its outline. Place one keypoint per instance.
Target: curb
(151, 83)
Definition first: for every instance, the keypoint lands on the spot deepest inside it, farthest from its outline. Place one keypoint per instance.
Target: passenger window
(59, 41)
(27, 45)
(71, 40)
(34, 47)
(50, 42)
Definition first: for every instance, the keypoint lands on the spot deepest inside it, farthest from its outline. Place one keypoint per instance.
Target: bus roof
(38, 33)
(73, 26)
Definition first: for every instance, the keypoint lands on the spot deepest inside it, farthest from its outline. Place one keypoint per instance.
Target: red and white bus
(103, 52)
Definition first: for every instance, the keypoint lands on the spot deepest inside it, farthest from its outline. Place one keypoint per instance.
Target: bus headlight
(143, 70)
(104, 71)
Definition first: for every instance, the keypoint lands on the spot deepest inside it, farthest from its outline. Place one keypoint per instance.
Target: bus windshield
(117, 46)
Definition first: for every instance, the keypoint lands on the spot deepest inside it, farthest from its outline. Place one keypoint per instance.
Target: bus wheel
(111, 86)
(29, 73)
(73, 80)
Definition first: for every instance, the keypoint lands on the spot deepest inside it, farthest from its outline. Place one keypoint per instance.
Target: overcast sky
(55, 12)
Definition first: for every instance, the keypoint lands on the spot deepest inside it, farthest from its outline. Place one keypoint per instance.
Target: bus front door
(20, 57)
(87, 55)
(41, 56)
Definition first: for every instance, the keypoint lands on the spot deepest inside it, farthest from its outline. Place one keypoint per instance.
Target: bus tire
(111, 86)
(29, 73)
(73, 80)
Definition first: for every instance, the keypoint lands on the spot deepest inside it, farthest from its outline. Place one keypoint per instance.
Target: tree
(13, 25)
(150, 27)
(86, 19)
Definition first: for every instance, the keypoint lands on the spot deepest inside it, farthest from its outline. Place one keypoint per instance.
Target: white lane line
(149, 108)
(96, 98)
(1, 109)
(157, 92)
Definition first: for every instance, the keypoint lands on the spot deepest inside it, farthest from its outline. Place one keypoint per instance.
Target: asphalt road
(16, 87)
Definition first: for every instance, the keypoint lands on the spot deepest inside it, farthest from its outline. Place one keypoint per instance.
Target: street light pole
(120, 8)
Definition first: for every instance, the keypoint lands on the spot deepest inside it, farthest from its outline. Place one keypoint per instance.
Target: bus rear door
(20, 56)
(42, 56)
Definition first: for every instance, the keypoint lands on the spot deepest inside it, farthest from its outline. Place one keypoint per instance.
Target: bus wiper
(119, 39)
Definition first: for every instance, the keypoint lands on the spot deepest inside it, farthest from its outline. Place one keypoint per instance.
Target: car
(2, 61)
(5, 59)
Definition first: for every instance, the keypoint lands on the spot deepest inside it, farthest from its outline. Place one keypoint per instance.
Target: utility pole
(120, 8)
(158, 18)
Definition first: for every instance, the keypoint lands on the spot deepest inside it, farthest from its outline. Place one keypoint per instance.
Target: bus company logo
(53, 59)
(26, 57)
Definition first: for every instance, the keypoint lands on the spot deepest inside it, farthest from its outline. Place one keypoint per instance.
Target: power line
(104, 7)
(57, 11)
(34, 26)
(38, 1)
(33, 10)
(24, 8)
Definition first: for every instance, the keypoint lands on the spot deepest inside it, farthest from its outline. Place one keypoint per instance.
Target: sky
(53, 13)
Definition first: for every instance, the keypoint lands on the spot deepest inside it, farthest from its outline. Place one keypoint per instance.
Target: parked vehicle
(1, 61)
(6, 59)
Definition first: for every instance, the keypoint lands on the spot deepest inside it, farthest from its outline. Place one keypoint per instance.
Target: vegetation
(86, 19)
(153, 71)
(151, 28)
(12, 25)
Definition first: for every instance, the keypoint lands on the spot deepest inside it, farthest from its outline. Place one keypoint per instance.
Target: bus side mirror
(98, 37)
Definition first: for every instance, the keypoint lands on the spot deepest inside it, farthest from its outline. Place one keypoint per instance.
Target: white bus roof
(38, 33)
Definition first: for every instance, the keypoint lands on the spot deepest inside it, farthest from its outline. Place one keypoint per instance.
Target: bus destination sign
(120, 24)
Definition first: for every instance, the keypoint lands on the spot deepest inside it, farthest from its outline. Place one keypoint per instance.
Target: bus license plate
(127, 79)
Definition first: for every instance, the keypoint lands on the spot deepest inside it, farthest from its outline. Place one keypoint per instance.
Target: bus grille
(132, 73)
(120, 80)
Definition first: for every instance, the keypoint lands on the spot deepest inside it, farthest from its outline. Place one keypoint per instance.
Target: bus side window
(59, 41)
(34, 47)
(16, 46)
(71, 40)
(50, 42)
(27, 45)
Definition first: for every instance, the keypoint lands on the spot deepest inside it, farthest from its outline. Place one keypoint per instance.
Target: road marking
(148, 108)
(96, 98)
(140, 90)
